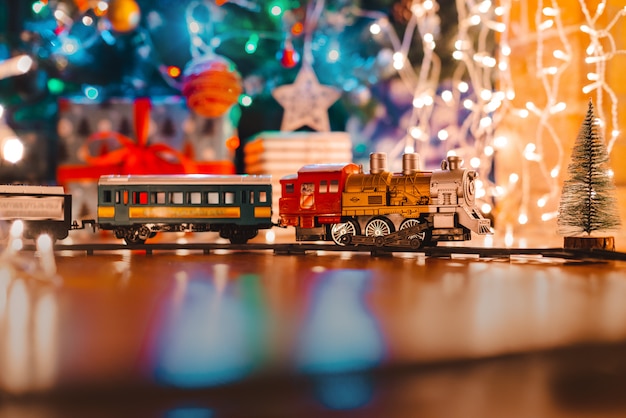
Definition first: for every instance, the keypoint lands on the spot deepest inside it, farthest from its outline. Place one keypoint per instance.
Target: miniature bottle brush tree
(588, 203)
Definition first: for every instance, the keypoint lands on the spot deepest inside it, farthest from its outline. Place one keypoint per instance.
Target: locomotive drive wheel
(421, 236)
(378, 227)
(337, 232)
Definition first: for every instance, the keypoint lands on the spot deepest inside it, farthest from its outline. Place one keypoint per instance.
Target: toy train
(328, 202)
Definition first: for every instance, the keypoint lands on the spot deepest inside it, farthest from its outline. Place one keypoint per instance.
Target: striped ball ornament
(211, 85)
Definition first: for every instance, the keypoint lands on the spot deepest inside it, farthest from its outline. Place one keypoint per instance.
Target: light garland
(494, 102)
(201, 34)
(600, 57)
(553, 58)
(549, 69)
(474, 138)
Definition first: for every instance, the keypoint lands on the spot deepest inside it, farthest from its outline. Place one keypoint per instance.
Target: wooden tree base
(588, 243)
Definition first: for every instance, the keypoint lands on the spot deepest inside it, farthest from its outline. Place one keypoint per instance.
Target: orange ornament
(123, 15)
(211, 85)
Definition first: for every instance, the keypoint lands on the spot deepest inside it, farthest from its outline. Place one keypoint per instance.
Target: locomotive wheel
(410, 223)
(378, 227)
(337, 232)
(345, 239)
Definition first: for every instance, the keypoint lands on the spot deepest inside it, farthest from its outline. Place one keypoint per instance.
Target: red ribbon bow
(137, 157)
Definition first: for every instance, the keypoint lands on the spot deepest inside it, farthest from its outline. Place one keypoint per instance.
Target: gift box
(281, 153)
(140, 136)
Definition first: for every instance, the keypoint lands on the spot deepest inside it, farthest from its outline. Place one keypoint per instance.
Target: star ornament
(305, 102)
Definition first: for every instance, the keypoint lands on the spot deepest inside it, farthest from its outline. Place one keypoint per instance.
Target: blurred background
(504, 85)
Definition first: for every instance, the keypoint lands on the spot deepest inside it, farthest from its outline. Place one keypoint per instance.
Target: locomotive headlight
(471, 183)
(471, 188)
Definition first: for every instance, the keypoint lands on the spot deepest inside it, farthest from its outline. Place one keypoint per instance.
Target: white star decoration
(306, 102)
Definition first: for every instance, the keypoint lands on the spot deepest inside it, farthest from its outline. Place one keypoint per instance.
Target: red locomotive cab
(313, 196)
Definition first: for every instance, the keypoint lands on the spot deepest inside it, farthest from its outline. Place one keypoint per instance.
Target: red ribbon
(137, 157)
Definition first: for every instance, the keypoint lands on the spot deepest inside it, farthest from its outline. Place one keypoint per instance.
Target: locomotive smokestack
(378, 162)
(410, 163)
(454, 162)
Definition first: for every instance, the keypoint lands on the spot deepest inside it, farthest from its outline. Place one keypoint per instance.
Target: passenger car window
(176, 198)
(140, 198)
(195, 198)
(158, 198)
(213, 198)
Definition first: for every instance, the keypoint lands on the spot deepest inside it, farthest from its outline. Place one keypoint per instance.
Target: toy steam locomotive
(340, 202)
(330, 202)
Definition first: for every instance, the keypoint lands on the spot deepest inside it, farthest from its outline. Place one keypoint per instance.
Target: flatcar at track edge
(42, 209)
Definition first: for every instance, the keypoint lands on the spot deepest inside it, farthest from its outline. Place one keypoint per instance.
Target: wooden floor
(256, 334)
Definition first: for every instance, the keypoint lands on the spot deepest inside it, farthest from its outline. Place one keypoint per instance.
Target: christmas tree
(403, 82)
(588, 203)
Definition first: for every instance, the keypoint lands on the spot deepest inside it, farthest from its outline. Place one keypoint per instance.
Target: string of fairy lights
(488, 74)
(599, 56)
(545, 154)
(549, 35)
(473, 138)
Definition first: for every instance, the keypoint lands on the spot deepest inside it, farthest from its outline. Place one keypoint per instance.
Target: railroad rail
(304, 248)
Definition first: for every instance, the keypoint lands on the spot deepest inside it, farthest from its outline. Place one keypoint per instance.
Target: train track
(438, 251)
